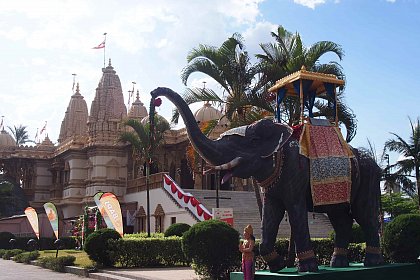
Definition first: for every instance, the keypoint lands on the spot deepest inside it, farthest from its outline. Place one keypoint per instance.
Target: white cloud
(309, 3)
(47, 41)
(391, 1)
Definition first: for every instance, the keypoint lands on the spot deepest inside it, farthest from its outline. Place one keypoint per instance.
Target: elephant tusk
(225, 166)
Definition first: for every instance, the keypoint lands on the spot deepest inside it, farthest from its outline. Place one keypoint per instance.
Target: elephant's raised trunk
(207, 148)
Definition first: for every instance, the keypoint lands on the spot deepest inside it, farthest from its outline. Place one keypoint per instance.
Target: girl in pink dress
(247, 247)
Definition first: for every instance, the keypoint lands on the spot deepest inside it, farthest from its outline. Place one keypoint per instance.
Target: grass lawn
(82, 259)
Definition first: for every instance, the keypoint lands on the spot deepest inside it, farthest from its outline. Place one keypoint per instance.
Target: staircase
(245, 211)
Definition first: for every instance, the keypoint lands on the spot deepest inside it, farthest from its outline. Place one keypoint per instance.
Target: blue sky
(42, 43)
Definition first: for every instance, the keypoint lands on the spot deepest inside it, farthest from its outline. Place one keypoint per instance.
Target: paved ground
(10, 270)
(178, 273)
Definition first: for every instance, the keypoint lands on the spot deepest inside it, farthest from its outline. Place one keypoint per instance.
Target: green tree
(287, 55)
(410, 150)
(139, 137)
(230, 66)
(396, 204)
(20, 134)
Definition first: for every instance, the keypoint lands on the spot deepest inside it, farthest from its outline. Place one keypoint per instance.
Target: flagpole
(74, 81)
(104, 47)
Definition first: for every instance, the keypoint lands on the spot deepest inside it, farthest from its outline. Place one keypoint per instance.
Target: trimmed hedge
(402, 238)
(150, 252)
(177, 229)
(56, 264)
(212, 246)
(96, 246)
(147, 252)
(11, 253)
(26, 257)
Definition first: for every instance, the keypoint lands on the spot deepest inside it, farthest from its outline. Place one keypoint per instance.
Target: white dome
(209, 113)
(6, 140)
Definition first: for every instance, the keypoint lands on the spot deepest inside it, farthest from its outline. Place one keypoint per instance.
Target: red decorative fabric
(173, 188)
(187, 198)
(199, 210)
(331, 193)
(167, 180)
(206, 216)
(180, 195)
(325, 142)
(194, 201)
(297, 131)
(330, 166)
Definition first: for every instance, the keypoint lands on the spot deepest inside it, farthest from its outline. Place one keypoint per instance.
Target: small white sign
(224, 214)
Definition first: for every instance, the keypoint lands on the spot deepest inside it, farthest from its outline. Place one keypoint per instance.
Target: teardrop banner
(113, 209)
(52, 215)
(101, 208)
(33, 220)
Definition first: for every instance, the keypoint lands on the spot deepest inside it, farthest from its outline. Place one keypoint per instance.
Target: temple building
(89, 159)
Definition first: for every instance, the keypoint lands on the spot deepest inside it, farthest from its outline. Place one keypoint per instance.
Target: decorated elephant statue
(267, 151)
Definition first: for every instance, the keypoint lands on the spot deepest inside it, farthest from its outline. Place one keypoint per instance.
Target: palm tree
(139, 138)
(410, 150)
(20, 134)
(230, 66)
(287, 55)
(142, 148)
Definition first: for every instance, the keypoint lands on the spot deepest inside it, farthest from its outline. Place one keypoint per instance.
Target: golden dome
(209, 113)
(6, 140)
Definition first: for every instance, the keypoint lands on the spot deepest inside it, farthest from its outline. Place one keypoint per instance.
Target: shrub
(147, 252)
(177, 229)
(11, 253)
(402, 238)
(96, 246)
(5, 238)
(57, 264)
(212, 246)
(2, 251)
(26, 257)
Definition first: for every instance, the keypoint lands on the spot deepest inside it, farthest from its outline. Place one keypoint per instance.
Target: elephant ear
(272, 136)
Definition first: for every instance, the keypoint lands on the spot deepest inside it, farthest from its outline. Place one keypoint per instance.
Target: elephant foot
(339, 261)
(307, 262)
(373, 256)
(339, 258)
(309, 265)
(274, 261)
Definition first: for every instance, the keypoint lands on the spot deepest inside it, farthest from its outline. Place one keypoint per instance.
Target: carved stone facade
(89, 158)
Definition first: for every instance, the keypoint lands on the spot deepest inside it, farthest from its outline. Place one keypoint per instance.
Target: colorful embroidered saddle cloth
(330, 167)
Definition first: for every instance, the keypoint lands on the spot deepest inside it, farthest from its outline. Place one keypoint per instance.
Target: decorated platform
(355, 271)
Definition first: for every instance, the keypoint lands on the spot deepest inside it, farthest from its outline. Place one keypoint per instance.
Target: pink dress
(248, 260)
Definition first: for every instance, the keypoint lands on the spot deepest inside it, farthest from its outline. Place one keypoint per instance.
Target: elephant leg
(272, 215)
(342, 224)
(299, 223)
(370, 226)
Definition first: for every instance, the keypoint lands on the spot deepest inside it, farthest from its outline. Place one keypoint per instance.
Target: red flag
(100, 46)
(43, 129)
